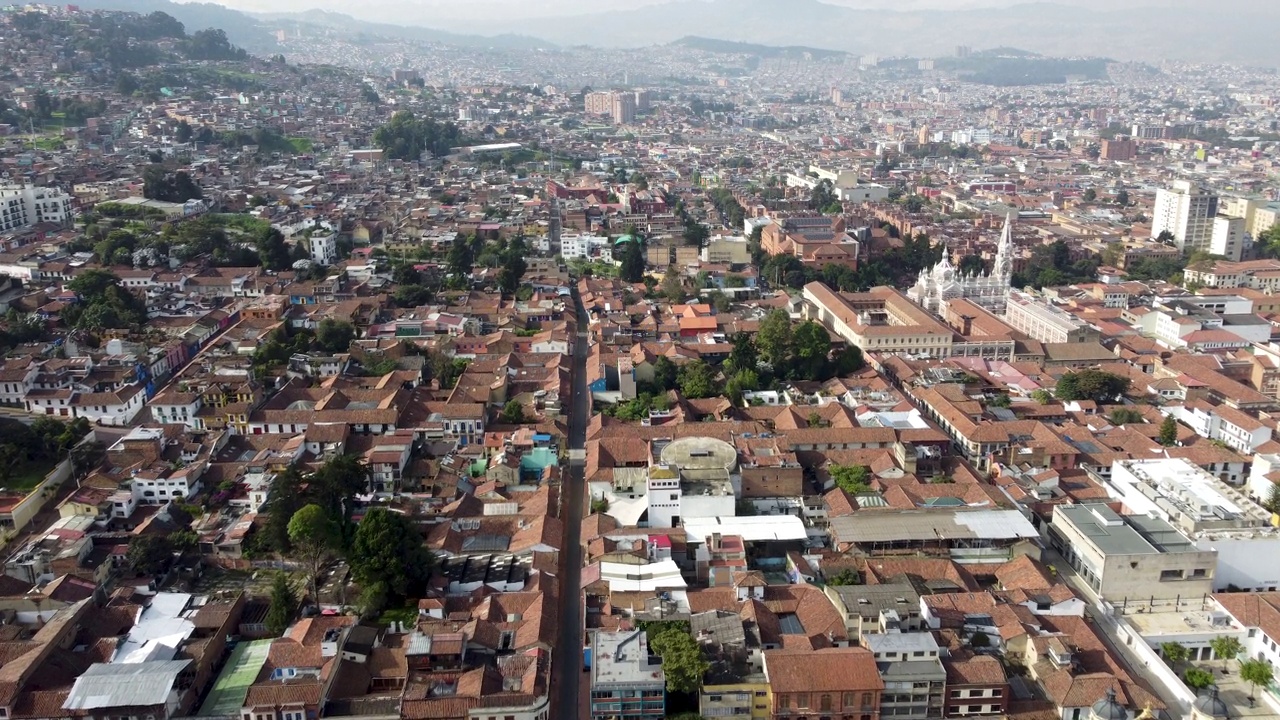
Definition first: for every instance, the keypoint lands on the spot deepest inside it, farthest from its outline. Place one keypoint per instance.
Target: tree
(1169, 431)
(283, 603)
(632, 262)
(672, 285)
(335, 335)
(1096, 385)
(1272, 503)
(183, 132)
(1174, 653)
(407, 137)
(823, 197)
(283, 501)
(1042, 396)
(313, 537)
(1226, 647)
(1256, 671)
(1090, 195)
(272, 250)
(742, 382)
(1197, 679)
(150, 554)
(743, 356)
(512, 413)
(682, 660)
(86, 457)
(126, 84)
(697, 380)
(853, 479)
(1125, 416)
(972, 265)
(847, 576)
(388, 548)
(773, 338)
(811, 344)
(513, 265)
(334, 487)
(1122, 198)
(665, 373)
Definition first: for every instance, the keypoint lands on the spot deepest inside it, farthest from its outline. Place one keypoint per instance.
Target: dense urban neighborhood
(383, 377)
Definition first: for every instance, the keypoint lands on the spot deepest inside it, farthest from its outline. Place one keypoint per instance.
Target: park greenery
(682, 659)
(1096, 385)
(407, 137)
(311, 519)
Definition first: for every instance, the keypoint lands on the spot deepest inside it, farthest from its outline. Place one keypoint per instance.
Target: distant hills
(728, 47)
(1235, 31)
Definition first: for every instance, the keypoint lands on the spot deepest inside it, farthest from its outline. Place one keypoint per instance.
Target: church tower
(1002, 270)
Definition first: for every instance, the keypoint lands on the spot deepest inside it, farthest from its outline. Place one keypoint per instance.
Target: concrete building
(625, 685)
(881, 320)
(624, 108)
(690, 478)
(1229, 237)
(1130, 556)
(324, 248)
(22, 206)
(871, 609)
(1186, 211)
(1119, 150)
(1046, 323)
(914, 679)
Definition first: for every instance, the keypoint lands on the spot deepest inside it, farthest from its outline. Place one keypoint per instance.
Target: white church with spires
(989, 289)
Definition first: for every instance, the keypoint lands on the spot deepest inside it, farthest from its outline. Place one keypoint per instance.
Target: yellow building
(738, 699)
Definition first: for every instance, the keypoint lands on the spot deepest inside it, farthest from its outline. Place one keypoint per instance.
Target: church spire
(1003, 266)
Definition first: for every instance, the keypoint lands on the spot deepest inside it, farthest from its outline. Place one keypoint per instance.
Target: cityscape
(638, 361)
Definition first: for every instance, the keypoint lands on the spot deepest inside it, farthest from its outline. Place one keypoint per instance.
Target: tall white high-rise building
(1186, 211)
(23, 206)
(1229, 237)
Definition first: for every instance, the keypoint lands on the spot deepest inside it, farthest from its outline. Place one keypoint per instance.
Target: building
(1046, 323)
(324, 248)
(990, 290)
(1130, 556)
(1119, 150)
(598, 103)
(881, 320)
(1186, 211)
(1229, 238)
(624, 108)
(914, 679)
(824, 683)
(22, 206)
(625, 685)
(1253, 274)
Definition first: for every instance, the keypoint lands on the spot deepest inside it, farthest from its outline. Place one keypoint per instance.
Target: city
(354, 370)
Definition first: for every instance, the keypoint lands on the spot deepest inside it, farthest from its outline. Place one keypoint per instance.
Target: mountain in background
(1199, 32)
(1168, 29)
(729, 47)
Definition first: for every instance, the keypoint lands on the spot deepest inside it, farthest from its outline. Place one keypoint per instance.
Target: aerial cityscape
(648, 360)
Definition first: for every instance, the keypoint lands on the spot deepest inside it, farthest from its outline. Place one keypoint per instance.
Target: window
(866, 700)
(784, 701)
(802, 700)
(825, 703)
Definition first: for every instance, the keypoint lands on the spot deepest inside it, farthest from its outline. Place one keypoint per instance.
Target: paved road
(566, 663)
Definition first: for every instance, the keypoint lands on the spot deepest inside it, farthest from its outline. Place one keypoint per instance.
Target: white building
(1186, 211)
(1229, 237)
(324, 248)
(23, 206)
(989, 290)
(1232, 427)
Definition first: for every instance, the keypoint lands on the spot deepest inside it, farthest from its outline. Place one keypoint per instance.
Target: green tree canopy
(335, 336)
(682, 660)
(283, 603)
(389, 548)
(853, 479)
(1169, 431)
(1097, 385)
(697, 380)
(314, 538)
(406, 137)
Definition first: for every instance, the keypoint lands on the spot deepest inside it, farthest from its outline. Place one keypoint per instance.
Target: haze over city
(680, 360)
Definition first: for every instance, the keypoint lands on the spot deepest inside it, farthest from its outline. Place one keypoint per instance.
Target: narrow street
(566, 663)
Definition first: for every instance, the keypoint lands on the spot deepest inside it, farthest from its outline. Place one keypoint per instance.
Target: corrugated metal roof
(119, 685)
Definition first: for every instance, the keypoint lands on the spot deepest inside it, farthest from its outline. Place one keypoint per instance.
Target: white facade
(23, 206)
(990, 290)
(1187, 212)
(1231, 427)
(664, 500)
(1229, 237)
(324, 248)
